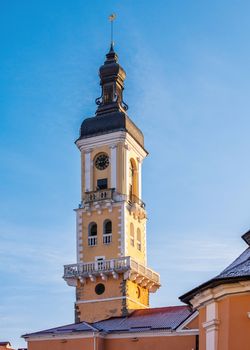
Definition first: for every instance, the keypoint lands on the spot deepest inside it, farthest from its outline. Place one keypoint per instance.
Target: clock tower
(111, 276)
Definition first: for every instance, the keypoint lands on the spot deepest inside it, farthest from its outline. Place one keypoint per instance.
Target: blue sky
(188, 84)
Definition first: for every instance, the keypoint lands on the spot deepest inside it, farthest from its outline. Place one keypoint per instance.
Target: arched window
(92, 234)
(92, 229)
(138, 236)
(107, 227)
(132, 180)
(107, 231)
(132, 235)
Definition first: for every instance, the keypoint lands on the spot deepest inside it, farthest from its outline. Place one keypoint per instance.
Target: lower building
(173, 328)
(223, 304)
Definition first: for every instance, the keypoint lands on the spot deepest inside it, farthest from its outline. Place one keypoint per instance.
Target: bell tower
(111, 276)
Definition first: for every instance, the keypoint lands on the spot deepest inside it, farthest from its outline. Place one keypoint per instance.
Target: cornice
(97, 334)
(111, 139)
(219, 292)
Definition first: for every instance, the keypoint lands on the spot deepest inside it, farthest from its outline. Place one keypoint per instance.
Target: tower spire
(112, 17)
(112, 77)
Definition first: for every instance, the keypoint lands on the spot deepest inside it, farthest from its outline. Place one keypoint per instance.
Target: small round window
(99, 288)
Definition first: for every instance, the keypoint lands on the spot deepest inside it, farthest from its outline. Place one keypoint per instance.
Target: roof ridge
(89, 325)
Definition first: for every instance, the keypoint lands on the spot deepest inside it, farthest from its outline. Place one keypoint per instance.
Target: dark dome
(111, 122)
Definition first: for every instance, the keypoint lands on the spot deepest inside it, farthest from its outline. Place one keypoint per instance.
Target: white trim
(84, 335)
(137, 302)
(149, 334)
(187, 321)
(211, 326)
(111, 299)
(126, 169)
(109, 140)
(123, 230)
(77, 239)
(99, 258)
(79, 335)
(139, 177)
(79, 248)
(94, 209)
(145, 243)
(99, 300)
(113, 160)
(219, 292)
(87, 172)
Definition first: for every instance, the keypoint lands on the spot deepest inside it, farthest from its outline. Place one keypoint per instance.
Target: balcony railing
(108, 266)
(134, 199)
(107, 238)
(98, 195)
(92, 241)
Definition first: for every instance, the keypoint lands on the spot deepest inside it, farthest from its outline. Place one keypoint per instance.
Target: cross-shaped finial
(112, 17)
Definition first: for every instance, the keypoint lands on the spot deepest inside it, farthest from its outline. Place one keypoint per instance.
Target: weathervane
(112, 17)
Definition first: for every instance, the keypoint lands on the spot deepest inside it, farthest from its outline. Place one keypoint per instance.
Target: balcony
(99, 195)
(135, 200)
(107, 238)
(127, 266)
(92, 241)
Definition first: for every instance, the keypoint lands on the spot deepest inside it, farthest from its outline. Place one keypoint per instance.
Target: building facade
(111, 277)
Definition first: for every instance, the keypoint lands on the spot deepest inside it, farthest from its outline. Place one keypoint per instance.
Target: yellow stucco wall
(111, 250)
(139, 255)
(107, 304)
(123, 157)
(121, 216)
(138, 294)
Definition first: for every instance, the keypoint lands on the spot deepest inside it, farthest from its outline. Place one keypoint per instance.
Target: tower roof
(111, 113)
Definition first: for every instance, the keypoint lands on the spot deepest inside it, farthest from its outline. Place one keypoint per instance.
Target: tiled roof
(240, 266)
(74, 327)
(164, 318)
(237, 271)
(148, 319)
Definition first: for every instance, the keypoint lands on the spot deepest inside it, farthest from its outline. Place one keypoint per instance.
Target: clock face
(102, 161)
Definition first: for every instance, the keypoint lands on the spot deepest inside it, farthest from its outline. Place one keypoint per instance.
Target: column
(113, 160)
(211, 326)
(87, 172)
(139, 178)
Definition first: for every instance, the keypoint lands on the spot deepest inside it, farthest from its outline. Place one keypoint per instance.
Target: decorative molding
(87, 172)
(130, 335)
(148, 334)
(80, 335)
(139, 174)
(109, 140)
(113, 159)
(123, 231)
(111, 299)
(219, 292)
